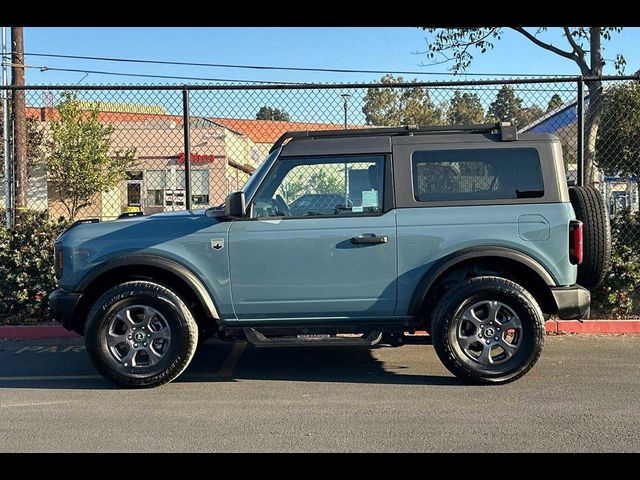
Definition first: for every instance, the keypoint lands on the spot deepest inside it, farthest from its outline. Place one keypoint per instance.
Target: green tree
(554, 102)
(532, 113)
(618, 142)
(400, 105)
(464, 109)
(583, 47)
(80, 162)
(508, 106)
(269, 113)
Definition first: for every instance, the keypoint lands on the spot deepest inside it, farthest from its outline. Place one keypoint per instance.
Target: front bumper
(573, 302)
(62, 306)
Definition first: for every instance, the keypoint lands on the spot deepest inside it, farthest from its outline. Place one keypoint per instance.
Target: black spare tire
(590, 209)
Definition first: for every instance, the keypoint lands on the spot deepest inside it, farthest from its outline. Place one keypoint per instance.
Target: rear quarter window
(476, 174)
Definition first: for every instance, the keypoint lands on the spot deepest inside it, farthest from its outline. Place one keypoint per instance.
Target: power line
(267, 67)
(145, 75)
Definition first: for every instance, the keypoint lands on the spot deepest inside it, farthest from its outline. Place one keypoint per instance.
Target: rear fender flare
(445, 263)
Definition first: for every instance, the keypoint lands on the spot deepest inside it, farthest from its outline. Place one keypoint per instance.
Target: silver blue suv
(350, 238)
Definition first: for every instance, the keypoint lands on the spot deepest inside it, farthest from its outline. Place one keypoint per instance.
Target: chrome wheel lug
(496, 339)
(488, 342)
(144, 344)
(129, 337)
(148, 335)
(135, 345)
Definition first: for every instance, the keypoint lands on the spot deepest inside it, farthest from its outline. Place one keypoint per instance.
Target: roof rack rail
(506, 130)
(130, 214)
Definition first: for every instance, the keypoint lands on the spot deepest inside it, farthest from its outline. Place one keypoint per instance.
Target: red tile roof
(260, 131)
(268, 131)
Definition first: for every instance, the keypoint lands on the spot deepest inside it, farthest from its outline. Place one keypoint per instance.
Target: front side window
(481, 174)
(305, 187)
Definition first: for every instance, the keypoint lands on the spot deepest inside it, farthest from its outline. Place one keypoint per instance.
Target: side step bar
(258, 339)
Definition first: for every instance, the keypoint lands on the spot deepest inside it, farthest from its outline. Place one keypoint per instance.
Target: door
(320, 242)
(134, 193)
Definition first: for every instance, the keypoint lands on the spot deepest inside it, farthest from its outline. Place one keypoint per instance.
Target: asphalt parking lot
(582, 396)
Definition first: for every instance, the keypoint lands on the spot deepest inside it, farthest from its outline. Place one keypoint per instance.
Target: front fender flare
(163, 263)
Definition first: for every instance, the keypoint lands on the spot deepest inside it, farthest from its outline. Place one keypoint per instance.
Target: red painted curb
(27, 332)
(598, 326)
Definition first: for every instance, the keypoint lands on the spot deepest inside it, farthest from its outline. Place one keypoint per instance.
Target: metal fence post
(187, 146)
(5, 133)
(580, 133)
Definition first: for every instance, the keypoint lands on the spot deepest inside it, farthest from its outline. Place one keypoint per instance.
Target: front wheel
(140, 334)
(488, 330)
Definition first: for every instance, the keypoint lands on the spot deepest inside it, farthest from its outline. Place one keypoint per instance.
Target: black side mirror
(235, 205)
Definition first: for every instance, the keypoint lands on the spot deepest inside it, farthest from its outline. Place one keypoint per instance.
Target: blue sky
(359, 48)
(387, 49)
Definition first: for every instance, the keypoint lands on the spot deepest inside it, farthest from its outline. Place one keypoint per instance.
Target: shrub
(618, 296)
(26, 266)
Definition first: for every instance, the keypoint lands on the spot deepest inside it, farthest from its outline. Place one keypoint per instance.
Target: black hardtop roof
(506, 131)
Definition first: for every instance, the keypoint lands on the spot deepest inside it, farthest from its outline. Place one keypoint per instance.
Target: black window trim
(388, 197)
(414, 163)
(403, 174)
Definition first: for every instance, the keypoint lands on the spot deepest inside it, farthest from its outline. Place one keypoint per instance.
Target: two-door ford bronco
(348, 238)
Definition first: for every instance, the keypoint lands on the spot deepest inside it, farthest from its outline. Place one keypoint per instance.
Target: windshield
(252, 184)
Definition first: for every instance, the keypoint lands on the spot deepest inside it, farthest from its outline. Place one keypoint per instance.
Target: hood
(178, 213)
(165, 224)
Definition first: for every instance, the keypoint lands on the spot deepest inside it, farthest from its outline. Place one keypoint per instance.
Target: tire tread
(167, 375)
(442, 318)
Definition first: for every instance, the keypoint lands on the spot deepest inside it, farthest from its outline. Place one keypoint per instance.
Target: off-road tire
(184, 332)
(457, 299)
(591, 210)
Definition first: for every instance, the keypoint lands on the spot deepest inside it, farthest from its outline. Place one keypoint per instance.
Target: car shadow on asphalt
(211, 364)
(324, 364)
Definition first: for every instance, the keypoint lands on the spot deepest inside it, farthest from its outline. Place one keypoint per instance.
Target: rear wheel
(488, 330)
(591, 210)
(140, 334)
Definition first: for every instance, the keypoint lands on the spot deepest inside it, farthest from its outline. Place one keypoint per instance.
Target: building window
(157, 182)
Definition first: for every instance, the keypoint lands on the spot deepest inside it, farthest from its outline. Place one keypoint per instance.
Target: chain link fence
(101, 151)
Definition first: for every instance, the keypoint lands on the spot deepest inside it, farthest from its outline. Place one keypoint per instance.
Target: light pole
(345, 98)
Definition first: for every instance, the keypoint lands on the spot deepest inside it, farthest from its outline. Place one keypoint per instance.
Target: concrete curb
(611, 327)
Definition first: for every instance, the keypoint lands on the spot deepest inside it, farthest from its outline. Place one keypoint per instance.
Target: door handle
(369, 239)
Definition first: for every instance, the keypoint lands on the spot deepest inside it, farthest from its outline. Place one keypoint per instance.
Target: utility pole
(5, 132)
(19, 118)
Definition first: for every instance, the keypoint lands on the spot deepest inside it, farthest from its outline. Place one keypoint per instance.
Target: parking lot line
(226, 370)
(34, 404)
